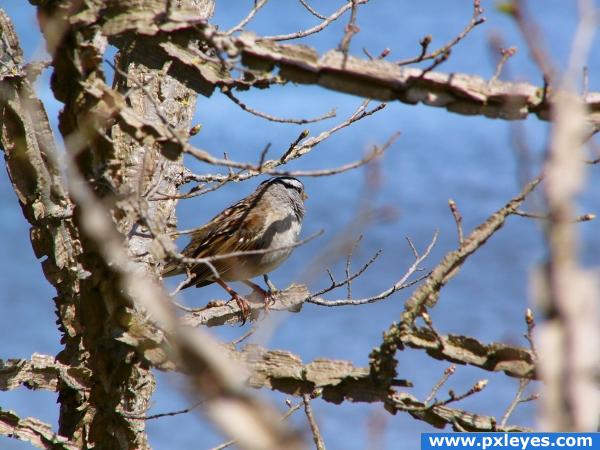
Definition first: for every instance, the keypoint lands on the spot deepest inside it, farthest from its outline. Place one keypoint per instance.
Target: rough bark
(34, 431)
(377, 79)
(91, 304)
(127, 143)
(336, 381)
(29, 150)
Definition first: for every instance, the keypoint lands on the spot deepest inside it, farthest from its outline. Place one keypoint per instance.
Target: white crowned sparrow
(268, 219)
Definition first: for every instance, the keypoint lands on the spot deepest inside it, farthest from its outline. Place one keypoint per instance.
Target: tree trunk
(93, 307)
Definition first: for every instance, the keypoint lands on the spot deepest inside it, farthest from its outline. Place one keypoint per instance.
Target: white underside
(269, 261)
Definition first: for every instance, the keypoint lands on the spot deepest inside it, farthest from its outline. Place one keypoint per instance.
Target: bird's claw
(269, 297)
(244, 307)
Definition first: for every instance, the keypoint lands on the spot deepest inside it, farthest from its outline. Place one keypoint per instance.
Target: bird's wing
(231, 236)
(238, 228)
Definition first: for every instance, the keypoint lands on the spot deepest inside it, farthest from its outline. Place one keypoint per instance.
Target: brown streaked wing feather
(214, 238)
(174, 267)
(228, 237)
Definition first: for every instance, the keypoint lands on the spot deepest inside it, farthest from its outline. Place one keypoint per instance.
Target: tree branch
(497, 357)
(383, 363)
(377, 79)
(40, 372)
(341, 381)
(34, 431)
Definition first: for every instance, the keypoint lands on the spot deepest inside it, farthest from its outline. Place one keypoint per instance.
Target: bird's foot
(243, 305)
(241, 301)
(268, 296)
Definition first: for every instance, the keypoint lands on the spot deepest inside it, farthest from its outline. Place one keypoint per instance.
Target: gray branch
(34, 431)
(341, 381)
(40, 372)
(377, 79)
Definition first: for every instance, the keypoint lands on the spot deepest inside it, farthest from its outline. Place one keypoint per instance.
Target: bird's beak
(304, 196)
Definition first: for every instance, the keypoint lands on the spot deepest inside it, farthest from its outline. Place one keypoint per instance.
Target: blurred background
(439, 156)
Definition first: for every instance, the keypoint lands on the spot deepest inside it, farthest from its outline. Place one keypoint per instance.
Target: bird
(266, 224)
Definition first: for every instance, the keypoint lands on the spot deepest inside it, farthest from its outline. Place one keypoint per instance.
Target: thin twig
(263, 155)
(227, 92)
(447, 374)
(240, 26)
(506, 53)
(303, 135)
(347, 269)
(585, 82)
(438, 337)
(351, 30)
(532, 36)
(314, 428)
(523, 382)
(335, 284)
(530, 215)
(180, 286)
(476, 20)
(400, 284)
(168, 414)
(385, 52)
(458, 219)
(477, 387)
(530, 322)
(325, 23)
(296, 150)
(242, 175)
(436, 62)
(245, 336)
(312, 10)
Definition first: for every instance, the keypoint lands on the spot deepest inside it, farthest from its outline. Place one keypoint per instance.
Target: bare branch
(228, 93)
(447, 374)
(529, 320)
(325, 23)
(568, 341)
(427, 294)
(351, 30)
(476, 20)
(312, 10)
(292, 409)
(161, 415)
(341, 381)
(34, 431)
(295, 151)
(375, 79)
(506, 54)
(248, 170)
(513, 361)
(531, 34)
(383, 361)
(290, 299)
(477, 387)
(458, 219)
(41, 372)
(523, 382)
(312, 422)
(347, 268)
(240, 26)
(577, 219)
(400, 284)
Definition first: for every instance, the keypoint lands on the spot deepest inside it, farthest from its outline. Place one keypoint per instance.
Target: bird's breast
(278, 240)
